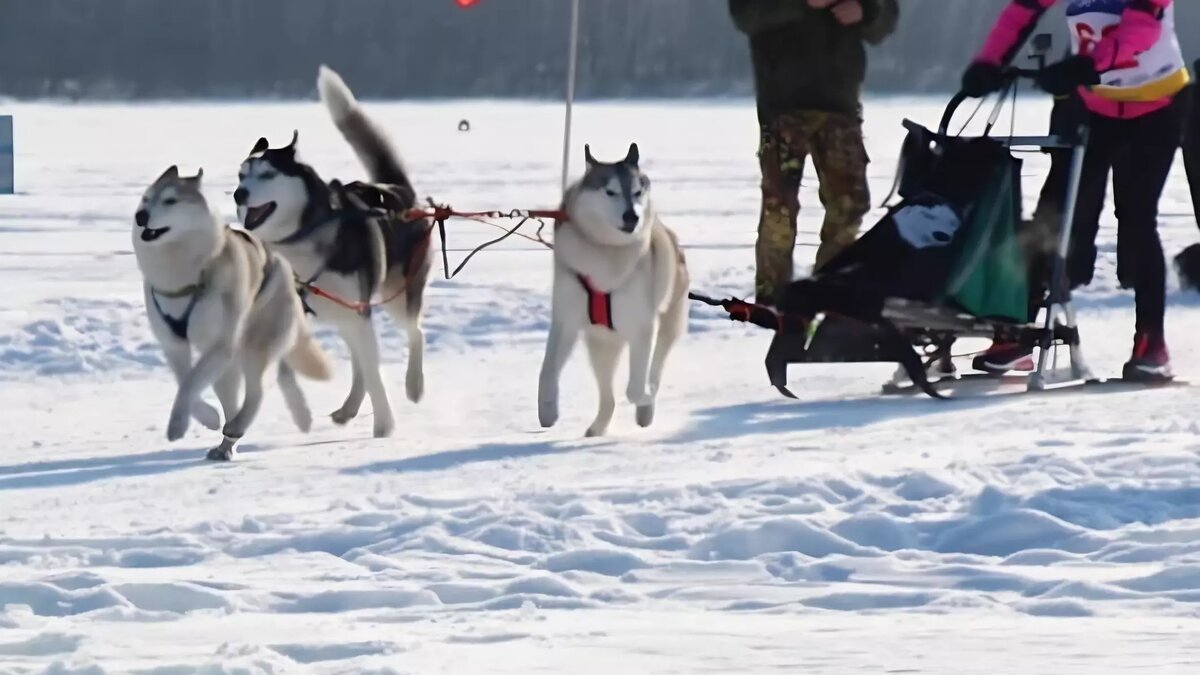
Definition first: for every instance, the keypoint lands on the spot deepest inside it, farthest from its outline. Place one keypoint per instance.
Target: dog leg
(358, 388)
(293, 396)
(604, 355)
(640, 347)
(229, 389)
(406, 312)
(206, 371)
(414, 381)
(559, 345)
(253, 368)
(670, 329)
(362, 340)
(180, 360)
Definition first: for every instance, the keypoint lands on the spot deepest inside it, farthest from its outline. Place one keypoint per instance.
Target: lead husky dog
(620, 279)
(219, 292)
(350, 240)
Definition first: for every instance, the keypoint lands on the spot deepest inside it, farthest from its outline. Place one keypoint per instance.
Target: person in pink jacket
(1129, 71)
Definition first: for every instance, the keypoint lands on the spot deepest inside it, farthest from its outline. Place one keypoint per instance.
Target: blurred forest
(120, 49)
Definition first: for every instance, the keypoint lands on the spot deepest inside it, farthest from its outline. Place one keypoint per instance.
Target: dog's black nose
(142, 218)
(240, 196)
(631, 219)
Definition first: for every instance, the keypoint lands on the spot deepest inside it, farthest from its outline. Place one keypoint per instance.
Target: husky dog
(219, 292)
(351, 241)
(619, 278)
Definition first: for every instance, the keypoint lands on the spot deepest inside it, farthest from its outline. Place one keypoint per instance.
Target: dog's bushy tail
(369, 142)
(308, 359)
(1187, 264)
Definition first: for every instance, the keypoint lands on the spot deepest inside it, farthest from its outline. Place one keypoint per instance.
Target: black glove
(1062, 78)
(981, 79)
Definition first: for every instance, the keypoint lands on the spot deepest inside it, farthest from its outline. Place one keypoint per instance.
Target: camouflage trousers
(835, 142)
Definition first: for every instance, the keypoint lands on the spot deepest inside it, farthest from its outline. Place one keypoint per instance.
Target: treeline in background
(138, 49)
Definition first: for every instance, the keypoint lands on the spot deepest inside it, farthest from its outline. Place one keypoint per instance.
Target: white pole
(572, 60)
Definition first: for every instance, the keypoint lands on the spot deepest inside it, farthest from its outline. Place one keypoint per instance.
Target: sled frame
(935, 328)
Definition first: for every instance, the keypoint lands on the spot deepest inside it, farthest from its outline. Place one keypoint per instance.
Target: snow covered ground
(843, 533)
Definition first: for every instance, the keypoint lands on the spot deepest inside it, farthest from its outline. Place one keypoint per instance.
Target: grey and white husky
(351, 241)
(619, 279)
(218, 292)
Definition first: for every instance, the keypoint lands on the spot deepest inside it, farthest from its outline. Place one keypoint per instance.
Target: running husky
(620, 278)
(219, 292)
(351, 241)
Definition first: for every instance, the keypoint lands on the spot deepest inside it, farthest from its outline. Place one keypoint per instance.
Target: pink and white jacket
(1133, 43)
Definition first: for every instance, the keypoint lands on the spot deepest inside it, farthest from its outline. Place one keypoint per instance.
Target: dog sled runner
(951, 260)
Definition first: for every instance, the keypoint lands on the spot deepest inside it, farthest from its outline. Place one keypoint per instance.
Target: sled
(985, 384)
(953, 259)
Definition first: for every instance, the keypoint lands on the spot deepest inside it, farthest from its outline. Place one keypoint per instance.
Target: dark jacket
(804, 59)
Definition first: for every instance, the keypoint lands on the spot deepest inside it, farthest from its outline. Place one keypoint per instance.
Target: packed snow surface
(841, 533)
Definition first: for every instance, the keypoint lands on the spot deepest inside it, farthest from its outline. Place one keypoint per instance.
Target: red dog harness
(599, 304)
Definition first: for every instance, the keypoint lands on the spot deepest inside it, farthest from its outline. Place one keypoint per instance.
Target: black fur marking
(319, 194)
(351, 248)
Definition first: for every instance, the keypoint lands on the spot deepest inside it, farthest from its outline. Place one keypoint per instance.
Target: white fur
(643, 271)
(239, 327)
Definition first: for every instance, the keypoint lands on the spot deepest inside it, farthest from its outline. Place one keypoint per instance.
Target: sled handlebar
(1011, 75)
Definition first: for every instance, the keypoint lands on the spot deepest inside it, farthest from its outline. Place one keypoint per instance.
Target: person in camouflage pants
(835, 143)
(809, 65)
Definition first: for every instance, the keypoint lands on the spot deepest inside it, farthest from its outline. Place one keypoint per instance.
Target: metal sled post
(1059, 300)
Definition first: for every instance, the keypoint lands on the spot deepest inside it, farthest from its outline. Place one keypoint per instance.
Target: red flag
(465, 4)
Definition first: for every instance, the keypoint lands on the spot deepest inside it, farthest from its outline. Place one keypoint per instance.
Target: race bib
(1158, 72)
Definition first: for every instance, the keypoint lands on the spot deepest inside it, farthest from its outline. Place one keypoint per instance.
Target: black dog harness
(179, 326)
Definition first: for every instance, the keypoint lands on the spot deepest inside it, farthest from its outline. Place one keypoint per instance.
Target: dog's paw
(342, 417)
(548, 413)
(414, 386)
(384, 426)
(645, 415)
(303, 419)
(177, 426)
(206, 415)
(221, 454)
(596, 431)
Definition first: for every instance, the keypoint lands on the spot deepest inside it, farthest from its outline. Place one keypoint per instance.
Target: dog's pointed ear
(587, 156)
(632, 157)
(295, 144)
(261, 146)
(199, 177)
(172, 173)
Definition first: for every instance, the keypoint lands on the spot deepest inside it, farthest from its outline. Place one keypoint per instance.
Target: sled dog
(619, 279)
(350, 241)
(220, 293)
